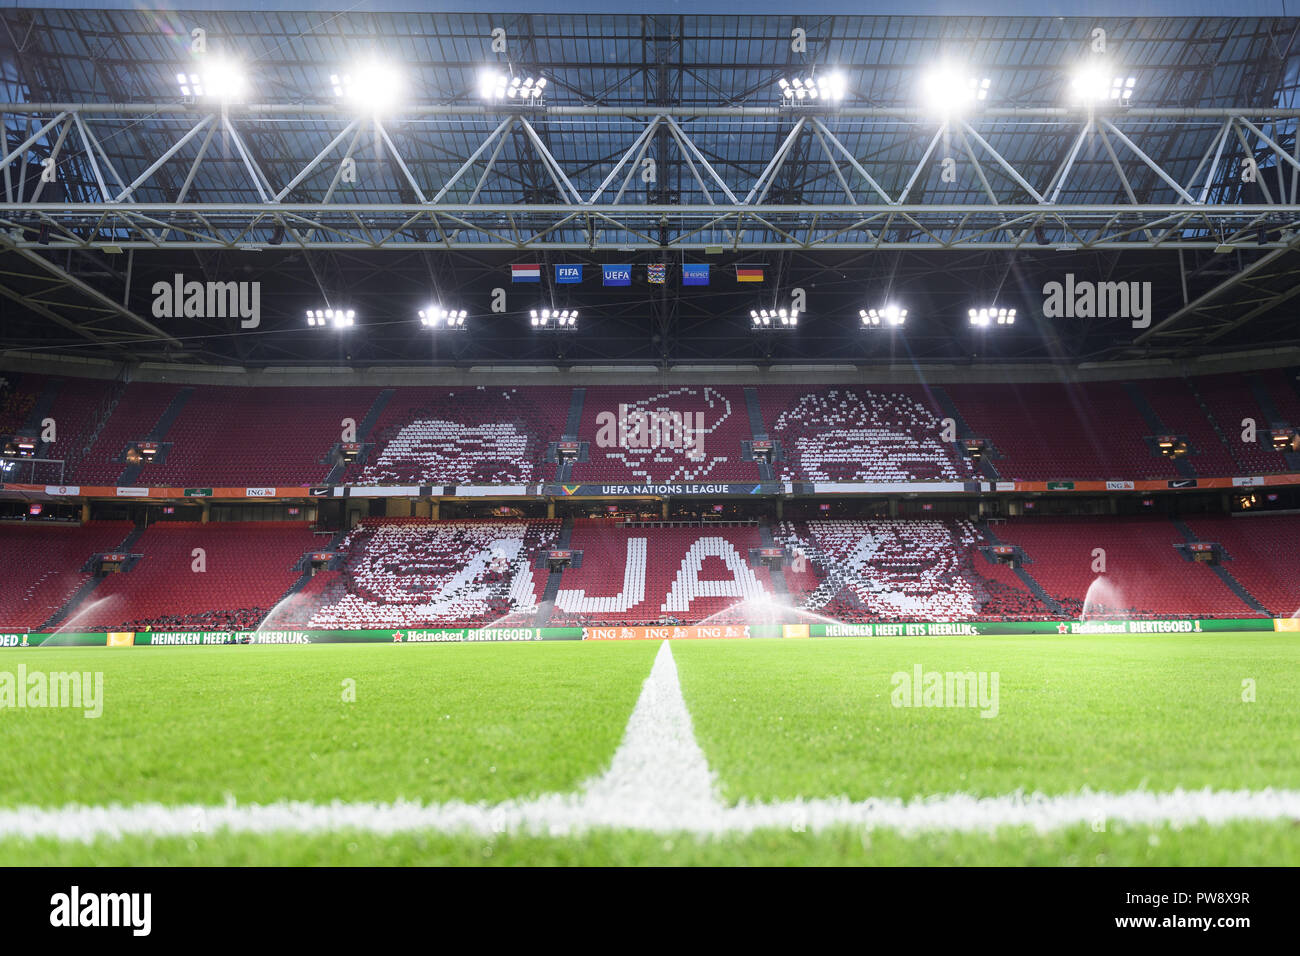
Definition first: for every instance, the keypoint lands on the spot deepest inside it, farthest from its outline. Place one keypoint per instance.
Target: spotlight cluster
(371, 86)
(827, 88)
(217, 79)
(435, 317)
(890, 315)
(554, 319)
(774, 318)
(339, 318)
(1097, 85)
(496, 87)
(983, 318)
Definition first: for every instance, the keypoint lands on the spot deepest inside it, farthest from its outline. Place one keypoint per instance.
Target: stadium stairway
(547, 603)
(991, 538)
(1134, 390)
(949, 408)
(302, 580)
(757, 430)
(779, 582)
(159, 431)
(1273, 414)
(363, 431)
(1222, 573)
(83, 593)
(564, 471)
(41, 410)
(1214, 423)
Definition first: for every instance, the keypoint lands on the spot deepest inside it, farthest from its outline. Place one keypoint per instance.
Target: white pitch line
(658, 781)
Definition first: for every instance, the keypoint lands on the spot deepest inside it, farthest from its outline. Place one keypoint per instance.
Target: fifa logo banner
(568, 275)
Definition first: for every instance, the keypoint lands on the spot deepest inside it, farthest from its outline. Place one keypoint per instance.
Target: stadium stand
(40, 566)
(412, 572)
(712, 452)
(858, 434)
(465, 436)
(877, 570)
(132, 420)
(1180, 413)
(1261, 554)
(1230, 400)
(256, 436)
(1145, 575)
(1045, 432)
(659, 575)
(249, 567)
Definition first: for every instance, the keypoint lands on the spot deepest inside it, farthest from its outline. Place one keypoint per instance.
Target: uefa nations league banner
(457, 635)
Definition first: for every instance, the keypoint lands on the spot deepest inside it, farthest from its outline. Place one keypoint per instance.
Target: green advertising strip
(977, 628)
(456, 635)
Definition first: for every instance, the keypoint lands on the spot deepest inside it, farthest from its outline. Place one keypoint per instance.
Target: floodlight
(562, 319)
(214, 79)
(984, 317)
(1094, 85)
(338, 318)
(495, 86)
(372, 86)
(889, 315)
(824, 88)
(436, 317)
(950, 90)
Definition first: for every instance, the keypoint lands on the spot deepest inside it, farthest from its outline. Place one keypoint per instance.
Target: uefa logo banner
(618, 275)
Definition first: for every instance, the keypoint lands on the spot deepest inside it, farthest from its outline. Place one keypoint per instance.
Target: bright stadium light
(372, 87)
(983, 318)
(496, 87)
(773, 320)
(565, 320)
(215, 79)
(436, 317)
(948, 90)
(825, 89)
(338, 318)
(889, 316)
(1095, 85)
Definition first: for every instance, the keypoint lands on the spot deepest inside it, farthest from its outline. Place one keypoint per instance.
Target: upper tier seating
(708, 450)
(848, 433)
(482, 435)
(411, 572)
(257, 436)
(1044, 432)
(132, 420)
(40, 566)
(1230, 400)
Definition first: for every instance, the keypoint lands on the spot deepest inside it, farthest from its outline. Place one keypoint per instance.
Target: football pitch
(1097, 750)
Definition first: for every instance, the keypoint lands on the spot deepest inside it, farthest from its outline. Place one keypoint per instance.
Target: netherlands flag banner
(529, 272)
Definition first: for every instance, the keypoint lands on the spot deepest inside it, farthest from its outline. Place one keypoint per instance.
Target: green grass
(777, 719)
(266, 723)
(1238, 844)
(782, 719)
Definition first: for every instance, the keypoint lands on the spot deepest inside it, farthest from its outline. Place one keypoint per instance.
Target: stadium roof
(850, 203)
